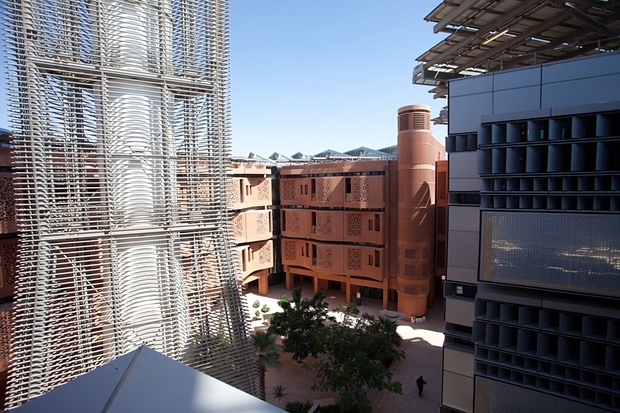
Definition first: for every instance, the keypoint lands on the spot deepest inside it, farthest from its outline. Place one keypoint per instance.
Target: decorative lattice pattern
(234, 194)
(265, 254)
(290, 252)
(8, 255)
(263, 223)
(238, 224)
(324, 257)
(354, 225)
(292, 221)
(359, 189)
(323, 190)
(324, 223)
(7, 199)
(354, 259)
(6, 317)
(288, 189)
(264, 190)
(125, 235)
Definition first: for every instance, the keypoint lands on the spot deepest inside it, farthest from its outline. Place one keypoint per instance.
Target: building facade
(320, 236)
(368, 224)
(121, 143)
(532, 281)
(251, 194)
(8, 257)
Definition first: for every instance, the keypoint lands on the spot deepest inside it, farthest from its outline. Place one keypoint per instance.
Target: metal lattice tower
(121, 116)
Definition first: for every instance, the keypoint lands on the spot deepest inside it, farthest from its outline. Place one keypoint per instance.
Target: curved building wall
(418, 151)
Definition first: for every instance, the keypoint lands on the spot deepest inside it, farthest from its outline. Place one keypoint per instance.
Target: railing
(508, 62)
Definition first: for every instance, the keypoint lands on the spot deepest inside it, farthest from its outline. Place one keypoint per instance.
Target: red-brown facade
(334, 223)
(251, 200)
(368, 223)
(8, 260)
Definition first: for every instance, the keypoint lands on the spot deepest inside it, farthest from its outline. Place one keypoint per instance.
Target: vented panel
(561, 251)
(496, 397)
(121, 119)
(414, 119)
(6, 316)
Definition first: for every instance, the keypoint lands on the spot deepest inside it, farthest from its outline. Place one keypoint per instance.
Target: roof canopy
(486, 35)
(146, 381)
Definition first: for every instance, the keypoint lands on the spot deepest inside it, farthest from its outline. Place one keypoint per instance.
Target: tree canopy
(300, 322)
(349, 356)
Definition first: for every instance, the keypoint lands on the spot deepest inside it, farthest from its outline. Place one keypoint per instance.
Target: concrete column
(263, 283)
(290, 279)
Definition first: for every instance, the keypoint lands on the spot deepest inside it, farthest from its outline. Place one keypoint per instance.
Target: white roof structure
(146, 381)
(329, 155)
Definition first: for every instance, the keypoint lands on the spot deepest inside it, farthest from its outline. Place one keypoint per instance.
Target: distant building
(358, 154)
(251, 195)
(344, 219)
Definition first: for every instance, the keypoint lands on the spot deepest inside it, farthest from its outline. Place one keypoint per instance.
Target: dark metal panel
(520, 99)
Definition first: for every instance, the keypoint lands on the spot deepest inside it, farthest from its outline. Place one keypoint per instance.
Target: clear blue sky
(323, 74)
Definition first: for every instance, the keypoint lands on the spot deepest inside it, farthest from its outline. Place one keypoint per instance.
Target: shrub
(298, 407)
(279, 391)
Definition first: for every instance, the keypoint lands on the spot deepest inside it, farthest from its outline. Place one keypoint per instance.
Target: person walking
(420, 382)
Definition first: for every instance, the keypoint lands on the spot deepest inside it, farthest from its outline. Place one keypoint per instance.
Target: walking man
(420, 382)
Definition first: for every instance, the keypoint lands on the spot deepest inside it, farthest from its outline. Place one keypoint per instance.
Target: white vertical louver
(120, 112)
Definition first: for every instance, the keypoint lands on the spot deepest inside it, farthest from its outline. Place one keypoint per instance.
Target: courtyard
(422, 344)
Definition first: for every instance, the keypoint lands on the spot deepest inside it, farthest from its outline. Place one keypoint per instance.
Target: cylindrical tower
(417, 153)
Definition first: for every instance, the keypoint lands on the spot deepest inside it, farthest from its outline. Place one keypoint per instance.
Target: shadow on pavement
(422, 344)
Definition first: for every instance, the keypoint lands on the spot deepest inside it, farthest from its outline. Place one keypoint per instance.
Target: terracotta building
(368, 225)
(251, 198)
(8, 256)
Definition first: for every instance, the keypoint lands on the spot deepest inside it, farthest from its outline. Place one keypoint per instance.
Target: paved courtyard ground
(422, 344)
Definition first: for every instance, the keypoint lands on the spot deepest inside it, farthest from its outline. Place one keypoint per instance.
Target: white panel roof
(146, 381)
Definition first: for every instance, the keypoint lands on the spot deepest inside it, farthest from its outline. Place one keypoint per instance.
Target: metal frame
(122, 137)
(486, 35)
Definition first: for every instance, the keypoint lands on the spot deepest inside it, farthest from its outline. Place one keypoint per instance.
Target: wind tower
(418, 151)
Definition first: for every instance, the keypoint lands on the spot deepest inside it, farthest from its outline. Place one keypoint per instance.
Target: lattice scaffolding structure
(120, 113)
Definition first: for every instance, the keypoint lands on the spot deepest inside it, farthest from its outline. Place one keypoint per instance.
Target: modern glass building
(532, 283)
(120, 113)
(543, 293)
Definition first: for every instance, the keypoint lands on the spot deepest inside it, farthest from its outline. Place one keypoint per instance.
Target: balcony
(6, 317)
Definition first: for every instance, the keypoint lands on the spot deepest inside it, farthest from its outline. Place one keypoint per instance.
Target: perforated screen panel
(563, 251)
(497, 397)
(122, 135)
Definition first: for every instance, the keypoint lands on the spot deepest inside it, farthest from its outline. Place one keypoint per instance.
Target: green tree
(350, 356)
(299, 323)
(267, 355)
(355, 355)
